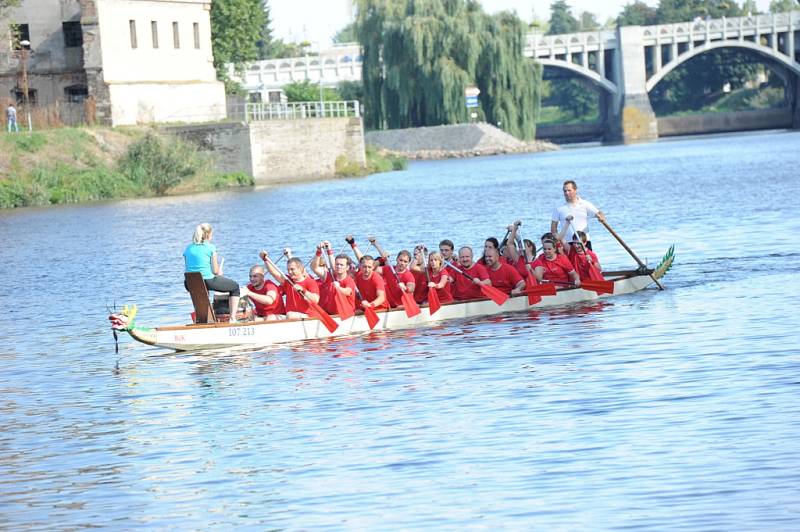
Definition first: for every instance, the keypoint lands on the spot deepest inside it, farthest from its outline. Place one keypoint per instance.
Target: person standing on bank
(201, 256)
(11, 118)
(580, 210)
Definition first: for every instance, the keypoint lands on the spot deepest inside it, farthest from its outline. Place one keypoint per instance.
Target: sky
(318, 21)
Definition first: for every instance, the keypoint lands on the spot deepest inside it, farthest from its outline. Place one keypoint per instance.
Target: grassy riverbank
(71, 165)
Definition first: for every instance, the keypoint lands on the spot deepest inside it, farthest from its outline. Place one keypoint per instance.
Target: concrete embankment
(456, 141)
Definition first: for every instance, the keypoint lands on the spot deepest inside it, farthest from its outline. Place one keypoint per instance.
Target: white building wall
(164, 84)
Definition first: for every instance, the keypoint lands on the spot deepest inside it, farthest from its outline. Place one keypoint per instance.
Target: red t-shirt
(327, 292)
(504, 278)
(445, 294)
(295, 302)
(521, 266)
(556, 269)
(464, 288)
(264, 309)
(581, 264)
(368, 288)
(393, 292)
(420, 286)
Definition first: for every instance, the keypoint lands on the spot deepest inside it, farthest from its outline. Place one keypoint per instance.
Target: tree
(266, 33)
(588, 21)
(782, 6)
(237, 26)
(637, 14)
(420, 55)
(346, 34)
(562, 19)
(278, 49)
(7, 4)
(306, 91)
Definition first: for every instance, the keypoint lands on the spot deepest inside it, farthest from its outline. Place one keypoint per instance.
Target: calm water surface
(657, 410)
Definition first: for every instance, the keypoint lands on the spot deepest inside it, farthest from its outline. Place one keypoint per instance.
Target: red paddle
(314, 308)
(410, 306)
(433, 295)
(530, 284)
(601, 287)
(369, 313)
(487, 290)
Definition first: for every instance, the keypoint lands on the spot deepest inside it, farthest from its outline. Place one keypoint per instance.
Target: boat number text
(241, 331)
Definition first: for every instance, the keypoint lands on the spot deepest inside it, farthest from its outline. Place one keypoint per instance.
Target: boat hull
(221, 335)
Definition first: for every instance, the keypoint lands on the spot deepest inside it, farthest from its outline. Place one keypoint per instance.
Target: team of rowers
(372, 282)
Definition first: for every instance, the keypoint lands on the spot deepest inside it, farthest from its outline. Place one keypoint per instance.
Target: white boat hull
(222, 335)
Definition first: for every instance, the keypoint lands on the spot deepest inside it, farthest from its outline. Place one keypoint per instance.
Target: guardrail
(254, 112)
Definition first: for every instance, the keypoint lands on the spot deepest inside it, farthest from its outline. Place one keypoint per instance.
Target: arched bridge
(626, 63)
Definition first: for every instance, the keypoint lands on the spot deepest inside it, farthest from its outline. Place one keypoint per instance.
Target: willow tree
(420, 55)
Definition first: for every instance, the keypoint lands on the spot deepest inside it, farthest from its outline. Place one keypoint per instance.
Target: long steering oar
(630, 251)
(318, 311)
(487, 290)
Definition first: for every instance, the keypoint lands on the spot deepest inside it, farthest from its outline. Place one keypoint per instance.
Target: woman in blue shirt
(201, 256)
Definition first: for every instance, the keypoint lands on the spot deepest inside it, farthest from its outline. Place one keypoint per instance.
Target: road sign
(472, 91)
(472, 101)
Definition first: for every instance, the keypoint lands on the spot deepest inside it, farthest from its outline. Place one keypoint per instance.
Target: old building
(137, 61)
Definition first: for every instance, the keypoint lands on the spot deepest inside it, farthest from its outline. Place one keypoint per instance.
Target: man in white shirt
(580, 210)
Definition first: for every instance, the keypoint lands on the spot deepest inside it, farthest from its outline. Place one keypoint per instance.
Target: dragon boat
(199, 336)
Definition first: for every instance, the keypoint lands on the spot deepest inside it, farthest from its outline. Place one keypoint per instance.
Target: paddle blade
(318, 312)
(601, 287)
(372, 317)
(410, 306)
(544, 289)
(343, 306)
(594, 273)
(533, 299)
(433, 301)
(494, 294)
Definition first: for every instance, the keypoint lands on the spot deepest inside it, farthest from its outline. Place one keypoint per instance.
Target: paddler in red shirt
(552, 266)
(584, 260)
(337, 281)
(503, 276)
(399, 278)
(304, 285)
(267, 297)
(464, 288)
(371, 287)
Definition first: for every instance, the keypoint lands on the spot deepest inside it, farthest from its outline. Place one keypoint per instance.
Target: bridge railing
(255, 112)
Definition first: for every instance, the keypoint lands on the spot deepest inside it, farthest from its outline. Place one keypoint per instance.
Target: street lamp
(24, 51)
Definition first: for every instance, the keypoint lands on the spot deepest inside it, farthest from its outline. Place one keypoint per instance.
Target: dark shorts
(220, 284)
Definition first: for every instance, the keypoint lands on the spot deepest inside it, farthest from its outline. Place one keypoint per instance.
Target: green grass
(72, 165)
(377, 162)
(555, 115)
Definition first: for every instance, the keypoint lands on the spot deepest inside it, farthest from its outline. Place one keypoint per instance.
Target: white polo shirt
(580, 211)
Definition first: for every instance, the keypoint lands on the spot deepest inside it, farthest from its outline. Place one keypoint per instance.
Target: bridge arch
(589, 74)
(764, 51)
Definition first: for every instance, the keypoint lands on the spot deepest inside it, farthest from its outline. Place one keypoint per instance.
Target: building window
(154, 30)
(132, 25)
(19, 33)
(19, 95)
(254, 97)
(176, 38)
(73, 34)
(196, 35)
(76, 93)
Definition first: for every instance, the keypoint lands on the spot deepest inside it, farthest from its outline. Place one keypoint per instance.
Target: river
(659, 410)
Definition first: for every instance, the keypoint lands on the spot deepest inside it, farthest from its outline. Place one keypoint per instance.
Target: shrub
(160, 164)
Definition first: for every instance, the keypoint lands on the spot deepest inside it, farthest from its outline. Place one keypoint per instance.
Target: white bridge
(625, 63)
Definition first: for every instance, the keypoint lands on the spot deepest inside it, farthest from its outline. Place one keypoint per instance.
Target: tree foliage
(237, 26)
(782, 6)
(306, 91)
(420, 55)
(346, 34)
(637, 14)
(561, 19)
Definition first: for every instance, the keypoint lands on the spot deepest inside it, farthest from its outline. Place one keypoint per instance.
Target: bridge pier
(794, 86)
(631, 117)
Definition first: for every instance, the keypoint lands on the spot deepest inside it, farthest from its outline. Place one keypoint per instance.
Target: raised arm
(318, 262)
(273, 271)
(511, 252)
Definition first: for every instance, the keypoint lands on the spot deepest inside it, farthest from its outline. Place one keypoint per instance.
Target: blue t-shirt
(198, 258)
